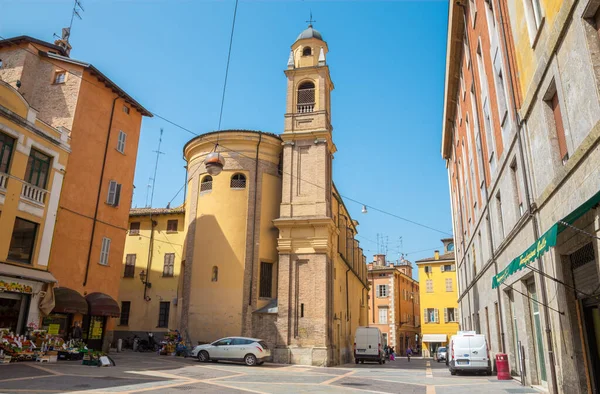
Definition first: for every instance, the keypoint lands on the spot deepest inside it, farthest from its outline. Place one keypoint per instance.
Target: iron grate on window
(238, 183)
(582, 256)
(206, 186)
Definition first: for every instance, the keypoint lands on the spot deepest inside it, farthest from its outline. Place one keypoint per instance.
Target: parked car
(468, 351)
(440, 355)
(251, 351)
(368, 345)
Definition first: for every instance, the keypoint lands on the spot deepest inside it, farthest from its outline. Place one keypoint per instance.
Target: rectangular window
(105, 251)
(6, 148)
(59, 77)
(125, 306)
(516, 187)
(431, 315)
(172, 225)
(134, 228)
(169, 264)
(383, 315)
(121, 142)
(450, 315)
(266, 280)
(473, 11)
(500, 89)
(448, 284)
(499, 213)
(560, 129)
(382, 291)
(163, 314)
(126, 109)
(114, 193)
(22, 242)
(429, 285)
(129, 266)
(38, 166)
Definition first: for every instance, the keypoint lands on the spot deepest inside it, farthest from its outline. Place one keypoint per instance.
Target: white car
(252, 351)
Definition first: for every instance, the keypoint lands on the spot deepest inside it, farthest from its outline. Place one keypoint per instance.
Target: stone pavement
(149, 373)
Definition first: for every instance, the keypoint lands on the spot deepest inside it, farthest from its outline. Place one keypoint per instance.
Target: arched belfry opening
(306, 97)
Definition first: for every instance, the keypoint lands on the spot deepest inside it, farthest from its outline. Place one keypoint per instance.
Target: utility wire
(241, 154)
(228, 59)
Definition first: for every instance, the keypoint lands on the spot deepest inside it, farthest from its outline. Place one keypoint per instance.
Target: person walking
(408, 353)
(76, 332)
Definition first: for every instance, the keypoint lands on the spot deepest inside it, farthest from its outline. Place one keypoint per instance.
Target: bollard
(119, 345)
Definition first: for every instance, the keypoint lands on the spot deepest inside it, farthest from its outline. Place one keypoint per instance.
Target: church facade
(270, 248)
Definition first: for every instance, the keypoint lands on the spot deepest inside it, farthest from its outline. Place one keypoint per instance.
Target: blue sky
(387, 62)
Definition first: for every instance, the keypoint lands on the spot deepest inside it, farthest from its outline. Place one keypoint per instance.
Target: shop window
(125, 306)
(169, 265)
(38, 166)
(22, 243)
(6, 148)
(172, 226)
(266, 279)
(163, 314)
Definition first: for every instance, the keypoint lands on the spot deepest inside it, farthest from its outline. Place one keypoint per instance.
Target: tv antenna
(66, 31)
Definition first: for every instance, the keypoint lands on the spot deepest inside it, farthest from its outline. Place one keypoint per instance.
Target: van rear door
(367, 341)
(462, 351)
(478, 347)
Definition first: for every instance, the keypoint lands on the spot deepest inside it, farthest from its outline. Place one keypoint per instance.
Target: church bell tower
(306, 242)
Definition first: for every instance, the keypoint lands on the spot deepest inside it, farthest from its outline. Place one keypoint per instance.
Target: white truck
(368, 345)
(468, 351)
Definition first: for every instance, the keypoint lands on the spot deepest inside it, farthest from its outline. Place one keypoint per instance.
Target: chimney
(436, 255)
(379, 260)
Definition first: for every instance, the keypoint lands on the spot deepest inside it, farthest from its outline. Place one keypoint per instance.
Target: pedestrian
(76, 332)
(408, 353)
(392, 353)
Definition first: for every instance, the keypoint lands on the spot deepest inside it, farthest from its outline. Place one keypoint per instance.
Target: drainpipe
(347, 297)
(150, 255)
(89, 255)
(532, 215)
(254, 220)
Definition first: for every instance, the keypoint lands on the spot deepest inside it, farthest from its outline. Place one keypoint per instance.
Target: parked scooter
(148, 345)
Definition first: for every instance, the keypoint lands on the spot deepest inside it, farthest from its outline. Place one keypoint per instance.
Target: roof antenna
(63, 40)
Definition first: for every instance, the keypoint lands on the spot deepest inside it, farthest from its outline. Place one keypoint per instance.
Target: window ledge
(128, 277)
(104, 265)
(134, 234)
(123, 153)
(172, 232)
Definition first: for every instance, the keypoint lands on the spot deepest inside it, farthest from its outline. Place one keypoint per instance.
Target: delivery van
(368, 345)
(468, 351)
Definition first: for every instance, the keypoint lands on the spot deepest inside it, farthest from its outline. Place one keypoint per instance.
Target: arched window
(206, 184)
(215, 274)
(306, 51)
(306, 97)
(238, 181)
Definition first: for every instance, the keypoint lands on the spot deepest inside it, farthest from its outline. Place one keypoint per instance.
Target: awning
(16, 271)
(434, 338)
(102, 305)
(69, 301)
(545, 242)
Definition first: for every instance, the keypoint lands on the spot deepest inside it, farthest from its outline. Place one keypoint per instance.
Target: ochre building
(150, 272)
(394, 303)
(439, 299)
(270, 249)
(103, 123)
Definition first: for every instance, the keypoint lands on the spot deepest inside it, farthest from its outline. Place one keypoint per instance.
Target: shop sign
(53, 329)
(15, 287)
(538, 248)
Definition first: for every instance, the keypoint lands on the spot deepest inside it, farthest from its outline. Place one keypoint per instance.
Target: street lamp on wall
(143, 277)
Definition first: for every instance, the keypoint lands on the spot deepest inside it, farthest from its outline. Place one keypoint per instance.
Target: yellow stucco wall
(439, 298)
(12, 204)
(143, 315)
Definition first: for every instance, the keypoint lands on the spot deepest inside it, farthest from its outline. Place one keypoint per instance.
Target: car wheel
(203, 356)
(250, 360)
(357, 361)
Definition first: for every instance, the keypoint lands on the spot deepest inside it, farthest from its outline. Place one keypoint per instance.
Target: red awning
(103, 305)
(69, 301)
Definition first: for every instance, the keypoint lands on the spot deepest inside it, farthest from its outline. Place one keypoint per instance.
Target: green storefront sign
(538, 248)
(545, 242)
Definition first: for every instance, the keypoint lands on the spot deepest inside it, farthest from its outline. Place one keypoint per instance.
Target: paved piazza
(149, 373)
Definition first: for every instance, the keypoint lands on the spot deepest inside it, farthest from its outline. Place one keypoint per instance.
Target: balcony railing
(34, 193)
(306, 108)
(3, 181)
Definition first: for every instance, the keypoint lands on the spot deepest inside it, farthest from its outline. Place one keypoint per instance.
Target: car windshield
(442, 349)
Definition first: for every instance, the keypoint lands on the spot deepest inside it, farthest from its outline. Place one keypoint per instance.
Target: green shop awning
(544, 243)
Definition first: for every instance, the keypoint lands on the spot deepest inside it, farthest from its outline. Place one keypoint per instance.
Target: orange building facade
(394, 303)
(104, 125)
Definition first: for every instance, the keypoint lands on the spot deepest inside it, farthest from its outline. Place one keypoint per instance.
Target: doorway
(93, 329)
(13, 311)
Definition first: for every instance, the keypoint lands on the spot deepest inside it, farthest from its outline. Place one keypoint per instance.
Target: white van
(468, 351)
(368, 345)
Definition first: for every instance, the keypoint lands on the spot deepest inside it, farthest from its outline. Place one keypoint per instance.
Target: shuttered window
(429, 285)
(121, 142)
(105, 251)
(169, 264)
(134, 228)
(163, 314)
(129, 266)
(448, 284)
(172, 225)
(114, 193)
(382, 291)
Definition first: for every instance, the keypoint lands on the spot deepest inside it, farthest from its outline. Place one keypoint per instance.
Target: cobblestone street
(139, 372)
